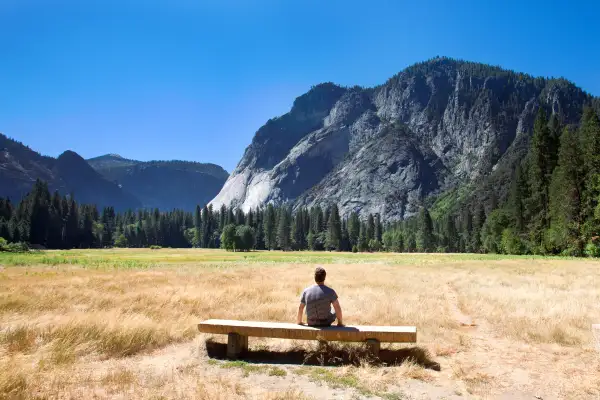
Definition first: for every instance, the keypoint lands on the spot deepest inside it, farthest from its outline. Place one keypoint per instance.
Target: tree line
(553, 208)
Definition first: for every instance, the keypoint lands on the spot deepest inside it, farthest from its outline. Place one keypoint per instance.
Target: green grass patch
(276, 371)
(244, 366)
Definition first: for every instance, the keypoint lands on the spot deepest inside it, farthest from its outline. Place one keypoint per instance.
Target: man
(318, 300)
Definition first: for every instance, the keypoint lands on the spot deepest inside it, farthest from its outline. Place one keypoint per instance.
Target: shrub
(511, 242)
(354, 249)
(155, 247)
(19, 247)
(592, 249)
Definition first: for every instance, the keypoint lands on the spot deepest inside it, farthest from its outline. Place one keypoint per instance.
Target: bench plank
(387, 334)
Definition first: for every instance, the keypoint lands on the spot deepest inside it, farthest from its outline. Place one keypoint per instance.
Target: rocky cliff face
(433, 126)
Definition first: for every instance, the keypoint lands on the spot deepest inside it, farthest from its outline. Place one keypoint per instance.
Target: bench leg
(236, 345)
(373, 347)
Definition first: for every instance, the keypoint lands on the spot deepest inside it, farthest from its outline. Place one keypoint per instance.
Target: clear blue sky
(194, 80)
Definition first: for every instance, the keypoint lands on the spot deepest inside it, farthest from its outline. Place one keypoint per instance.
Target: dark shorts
(323, 322)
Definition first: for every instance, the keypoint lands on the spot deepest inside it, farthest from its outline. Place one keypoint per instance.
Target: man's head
(320, 275)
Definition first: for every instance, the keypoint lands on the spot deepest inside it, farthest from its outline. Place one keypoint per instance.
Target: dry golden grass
(111, 323)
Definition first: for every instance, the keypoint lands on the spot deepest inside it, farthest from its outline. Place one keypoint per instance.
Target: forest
(553, 208)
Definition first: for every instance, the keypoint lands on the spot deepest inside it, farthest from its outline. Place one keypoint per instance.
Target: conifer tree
(425, 239)
(222, 217)
(270, 231)
(239, 217)
(284, 229)
(353, 229)
(378, 228)
(334, 229)
(370, 228)
(518, 194)
(478, 221)
(590, 136)
(363, 241)
(566, 191)
(539, 178)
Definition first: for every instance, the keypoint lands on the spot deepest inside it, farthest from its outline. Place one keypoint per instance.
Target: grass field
(122, 324)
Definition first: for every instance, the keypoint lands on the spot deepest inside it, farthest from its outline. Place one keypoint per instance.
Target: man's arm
(338, 312)
(300, 312)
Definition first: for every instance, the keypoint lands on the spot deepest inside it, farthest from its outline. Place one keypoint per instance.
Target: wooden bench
(239, 331)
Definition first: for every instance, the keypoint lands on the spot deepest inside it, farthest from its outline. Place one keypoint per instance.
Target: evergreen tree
(590, 136)
(518, 194)
(108, 226)
(345, 242)
(478, 222)
(260, 233)
(39, 213)
(451, 235)
(378, 228)
(370, 228)
(72, 237)
(298, 231)
(334, 229)
(55, 223)
(239, 217)
(283, 229)
(270, 228)
(363, 241)
(222, 217)
(540, 164)
(566, 191)
(425, 239)
(353, 229)
(206, 231)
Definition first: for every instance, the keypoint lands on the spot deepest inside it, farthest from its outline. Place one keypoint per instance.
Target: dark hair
(320, 274)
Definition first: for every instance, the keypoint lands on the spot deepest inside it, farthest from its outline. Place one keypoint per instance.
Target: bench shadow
(332, 354)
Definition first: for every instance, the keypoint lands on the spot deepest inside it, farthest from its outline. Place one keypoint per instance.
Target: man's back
(318, 299)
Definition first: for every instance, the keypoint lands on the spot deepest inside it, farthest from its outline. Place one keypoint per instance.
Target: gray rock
(432, 127)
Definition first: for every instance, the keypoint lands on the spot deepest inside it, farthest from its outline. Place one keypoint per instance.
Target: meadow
(122, 324)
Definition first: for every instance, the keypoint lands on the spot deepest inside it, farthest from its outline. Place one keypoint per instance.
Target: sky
(194, 80)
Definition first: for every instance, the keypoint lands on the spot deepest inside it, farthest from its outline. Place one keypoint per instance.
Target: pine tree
(284, 229)
(270, 228)
(250, 218)
(539, 177)
(566, 191)
(370, 228)
(334, 229)
(205, 227)
(239, 217)
(72, 237)
(353, 229)
(425, 240)
(451, 234)
(55, 223)
(590, 136)
(555, 130)
(378, 228)
(363, 241)
(518, 194)
(345, 242)
(478, 221)
(222, 217)
(39, 213)
(298, 231)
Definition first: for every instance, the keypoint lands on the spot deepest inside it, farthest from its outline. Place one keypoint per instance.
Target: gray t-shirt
(318, 299)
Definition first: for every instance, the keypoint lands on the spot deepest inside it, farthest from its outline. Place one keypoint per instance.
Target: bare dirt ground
(121, 328)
